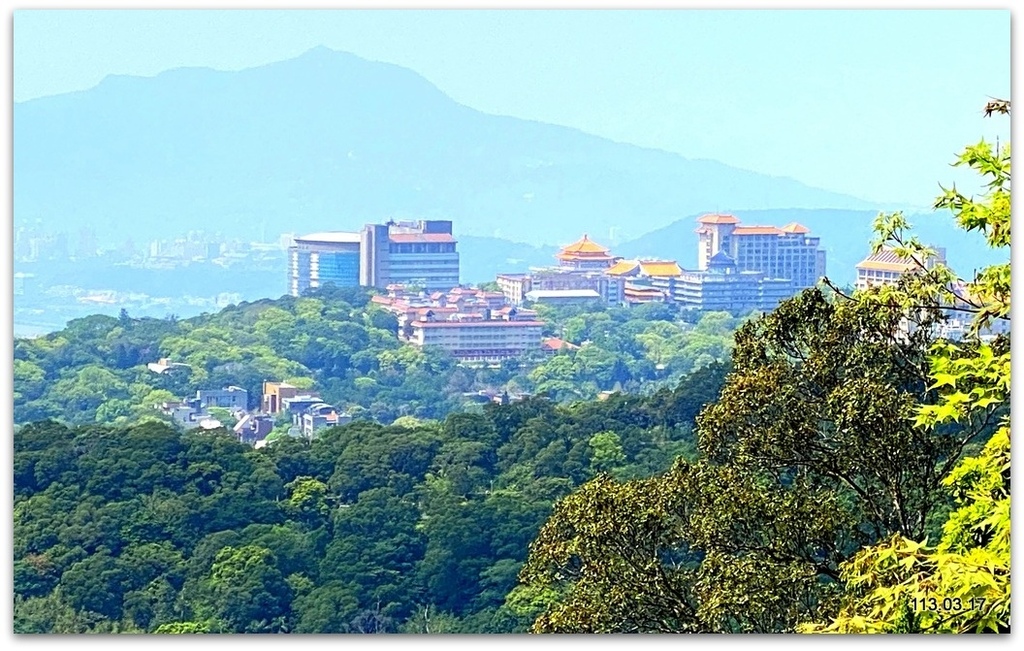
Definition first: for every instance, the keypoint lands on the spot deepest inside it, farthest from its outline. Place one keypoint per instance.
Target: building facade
(788, 252)
(474, 339)
(419, 253)
(274, 395)
(582, 266)
(886, 267)
(234, 398)
(320, 258)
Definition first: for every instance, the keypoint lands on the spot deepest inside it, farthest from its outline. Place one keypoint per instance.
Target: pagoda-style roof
(623, 267)
(584, 249)
(660, 268)
(721, 259)
(718, 218)
(794, 227)
(887, 260)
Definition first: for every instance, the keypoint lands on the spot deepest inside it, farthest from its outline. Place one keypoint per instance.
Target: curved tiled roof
(660, 268)
(585, 247)
(622, 267)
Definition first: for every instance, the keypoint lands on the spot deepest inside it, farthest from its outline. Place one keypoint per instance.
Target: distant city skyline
(874, 104)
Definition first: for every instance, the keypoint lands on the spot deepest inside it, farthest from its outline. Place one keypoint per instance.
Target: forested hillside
(336, 343)
(367, 528)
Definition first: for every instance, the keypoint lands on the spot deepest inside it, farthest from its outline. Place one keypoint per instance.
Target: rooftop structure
(419, 252)
(787, 252)
(886, 267)
(562, 296)
(585, 254)
(645, 268)
(582, 265)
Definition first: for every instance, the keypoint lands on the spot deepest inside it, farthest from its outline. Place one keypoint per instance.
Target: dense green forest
(367, 528)
(844, 470)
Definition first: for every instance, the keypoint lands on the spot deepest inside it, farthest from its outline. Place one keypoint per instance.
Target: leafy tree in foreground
(962, 585)
(790, 483)
(830, 451)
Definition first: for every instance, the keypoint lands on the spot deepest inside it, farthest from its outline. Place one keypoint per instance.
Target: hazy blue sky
(871, 103)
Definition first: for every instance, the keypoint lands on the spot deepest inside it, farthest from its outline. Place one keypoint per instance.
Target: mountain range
(330, 141)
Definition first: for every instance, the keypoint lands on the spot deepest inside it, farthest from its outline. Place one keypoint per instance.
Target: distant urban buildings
(421, 253)
(581, 275)
(473, 325)
(740, 268)
(195, 412)
(788, 252)
(886, 267)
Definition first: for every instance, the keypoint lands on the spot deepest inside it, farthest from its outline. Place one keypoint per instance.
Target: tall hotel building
(410, 253)
(419, 253)
(786, 252)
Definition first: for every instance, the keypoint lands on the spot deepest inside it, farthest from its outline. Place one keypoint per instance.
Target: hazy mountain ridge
(329, 140)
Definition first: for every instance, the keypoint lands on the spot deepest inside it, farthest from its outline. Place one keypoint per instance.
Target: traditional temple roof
(660, 268)
(584, 248)
(645, 267)
(887, 260)
(718, 218)
(623, 267)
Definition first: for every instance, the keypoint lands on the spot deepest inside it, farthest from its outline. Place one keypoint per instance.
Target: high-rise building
(420, 253)
(321, 258)
(786, 252)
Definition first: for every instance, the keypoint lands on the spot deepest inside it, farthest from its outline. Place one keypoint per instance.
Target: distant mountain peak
(271, 144)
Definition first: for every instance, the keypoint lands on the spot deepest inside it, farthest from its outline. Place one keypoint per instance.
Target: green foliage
(961, 585)
(415, 526)
(813, 450)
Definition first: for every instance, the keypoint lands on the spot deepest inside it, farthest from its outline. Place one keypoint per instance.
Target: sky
(872, 103)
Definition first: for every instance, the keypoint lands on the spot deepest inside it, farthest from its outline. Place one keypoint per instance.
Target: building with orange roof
(634, 268)
(582, 265)
(585, 254)
(788, 252)
(552, 345)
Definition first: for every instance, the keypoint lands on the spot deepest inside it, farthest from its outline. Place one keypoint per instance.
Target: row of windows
(448, 247)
